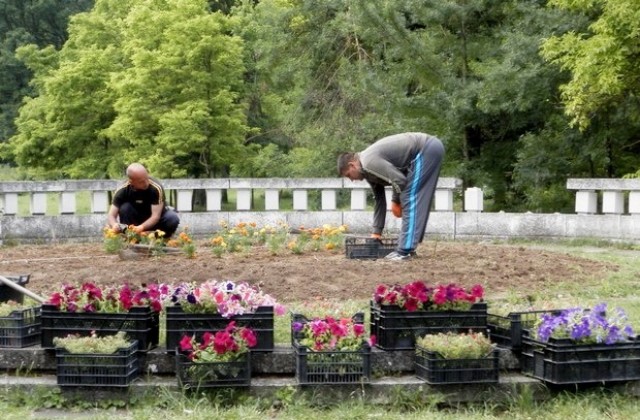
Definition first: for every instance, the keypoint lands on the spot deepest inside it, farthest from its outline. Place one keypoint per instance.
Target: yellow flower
(330, 245)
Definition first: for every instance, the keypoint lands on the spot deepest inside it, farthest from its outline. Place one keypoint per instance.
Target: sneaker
(396, 256)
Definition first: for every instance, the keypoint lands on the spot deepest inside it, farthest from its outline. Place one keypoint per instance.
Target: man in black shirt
(140, 203)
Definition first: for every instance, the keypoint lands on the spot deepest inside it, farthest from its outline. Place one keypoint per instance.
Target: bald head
(138, 176)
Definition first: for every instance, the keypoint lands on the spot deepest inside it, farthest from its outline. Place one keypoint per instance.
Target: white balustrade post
(473, 199)
(184, 200)
(634, 202)
(67, 202)
(10, 204)
(443, 200)
(329, 200)
(612, 202)
(243, 197)
(586, 202)
(300, 200)
(358, 199)
(38, 204)
(99, 201)
(214, 199)
(271, 199)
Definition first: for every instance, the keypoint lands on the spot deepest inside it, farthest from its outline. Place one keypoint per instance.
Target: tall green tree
(603, 60)
(42, 22)
(152, 81)
(601, 95)
(471, 74)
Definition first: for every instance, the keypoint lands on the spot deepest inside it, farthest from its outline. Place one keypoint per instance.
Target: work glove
(396, 209)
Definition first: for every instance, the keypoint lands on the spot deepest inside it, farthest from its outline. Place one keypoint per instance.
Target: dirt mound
(321, 275)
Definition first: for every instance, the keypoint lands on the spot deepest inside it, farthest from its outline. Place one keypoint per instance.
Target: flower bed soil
(312, 275)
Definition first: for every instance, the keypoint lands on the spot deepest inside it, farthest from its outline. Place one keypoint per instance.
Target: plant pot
(562, 361)
(20, 328)
(194, 375)
(333, 367)
(181, 323)
(433, 369)
(396, 328)
(506, 331)
(98, 370)
(140, 323)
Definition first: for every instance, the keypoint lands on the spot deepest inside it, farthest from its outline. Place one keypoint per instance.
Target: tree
(603, 60)
(151, 81)
(22, 22)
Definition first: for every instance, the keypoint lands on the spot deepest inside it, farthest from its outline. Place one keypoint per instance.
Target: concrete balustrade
(470, 220)
(612, 193)
(184, 188)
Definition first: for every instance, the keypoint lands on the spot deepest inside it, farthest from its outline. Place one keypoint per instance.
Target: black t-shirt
(141, 200)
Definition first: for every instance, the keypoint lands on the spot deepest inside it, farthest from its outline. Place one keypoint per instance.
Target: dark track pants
(168, 223)
(422, 179)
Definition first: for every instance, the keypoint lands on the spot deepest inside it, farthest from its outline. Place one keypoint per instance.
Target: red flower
(249, 336)
(477, 291)
(185, 343)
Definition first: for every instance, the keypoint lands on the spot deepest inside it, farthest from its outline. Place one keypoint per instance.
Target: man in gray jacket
(410, 164)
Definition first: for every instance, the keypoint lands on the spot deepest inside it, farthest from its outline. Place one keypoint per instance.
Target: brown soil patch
(291, 278)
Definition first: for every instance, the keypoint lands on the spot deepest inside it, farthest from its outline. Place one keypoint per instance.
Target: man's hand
(396, 209)
(376, 236)
(138, 229)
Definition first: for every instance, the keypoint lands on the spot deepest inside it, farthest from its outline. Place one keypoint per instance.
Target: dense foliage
(523, 93)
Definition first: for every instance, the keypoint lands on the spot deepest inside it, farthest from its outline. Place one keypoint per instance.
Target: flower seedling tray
(139, 323)
(333, 367)
(357, 318)
(118, 369)
(396, 328)
(506, 331)
(561, 361)
(433, 369)
(20, 329)
(368, 248)
(194, 375)
(9, 293)
(180, 323)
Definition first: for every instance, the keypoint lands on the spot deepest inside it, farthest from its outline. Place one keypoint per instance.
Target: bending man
(410, 164)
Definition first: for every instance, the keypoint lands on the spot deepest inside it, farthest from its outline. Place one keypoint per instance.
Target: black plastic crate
(98, 370)
(181, 323)
(20, 328)
(369, 248)
(506, 331)
(357, 318)
(433, 369)
(8, 293)
(194, 375)
(396, 328)
(563, 362)
(139, 323)
(528, 346)
(333, 367)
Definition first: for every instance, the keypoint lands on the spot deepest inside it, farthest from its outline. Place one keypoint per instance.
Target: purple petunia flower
(586, 326)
